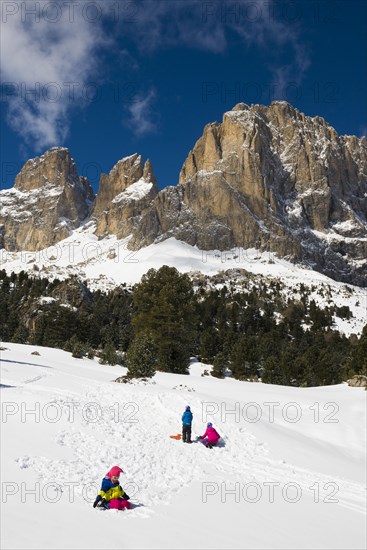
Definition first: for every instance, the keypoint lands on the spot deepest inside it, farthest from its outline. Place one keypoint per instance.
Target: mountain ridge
(268, 177)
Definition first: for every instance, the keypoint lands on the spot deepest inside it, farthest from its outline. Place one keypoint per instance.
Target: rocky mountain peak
(148, 173)
(241, 107)
(122, 196)
(55, 167)
(48, 200)
(270, 177)
(125, 172)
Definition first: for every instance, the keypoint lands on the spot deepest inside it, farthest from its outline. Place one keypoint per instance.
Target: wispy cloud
(46, 68)
(52, 64)
(208, 25)
(276, 37)
(158, 24)
(141, 117)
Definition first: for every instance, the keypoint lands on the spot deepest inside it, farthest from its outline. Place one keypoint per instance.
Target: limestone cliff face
(272, 178)
(267, 177)
(47, 201)
(123, 195)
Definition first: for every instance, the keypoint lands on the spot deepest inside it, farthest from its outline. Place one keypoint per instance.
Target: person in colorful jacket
(211, 436)
(186, 425)
(112, 496)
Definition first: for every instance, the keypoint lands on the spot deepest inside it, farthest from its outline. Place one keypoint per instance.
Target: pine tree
(142, 357)
(164, 306)
(108, 355)
(20, 335)
(220, 365)
(209, 344)
(78, 349)
(360, 355)
(244, 357)
(273, 373)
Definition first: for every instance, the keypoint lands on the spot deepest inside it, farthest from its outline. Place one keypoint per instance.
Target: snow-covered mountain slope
(105, 263)
(295, 480)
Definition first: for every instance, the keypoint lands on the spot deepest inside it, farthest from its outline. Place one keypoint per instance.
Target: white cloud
(59, 60)
(276, 37)
(171, 23)
(50, 65)
(140, 114)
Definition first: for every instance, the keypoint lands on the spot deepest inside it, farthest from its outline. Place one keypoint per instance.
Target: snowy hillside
(105, 263)
(290, 471)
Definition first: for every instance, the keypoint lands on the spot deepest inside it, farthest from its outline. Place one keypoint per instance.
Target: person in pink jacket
(211, 436)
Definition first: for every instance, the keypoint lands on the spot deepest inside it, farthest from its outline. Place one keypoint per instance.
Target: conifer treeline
(163, 321)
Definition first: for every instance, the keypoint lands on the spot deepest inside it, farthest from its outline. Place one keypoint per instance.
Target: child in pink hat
(112, 496)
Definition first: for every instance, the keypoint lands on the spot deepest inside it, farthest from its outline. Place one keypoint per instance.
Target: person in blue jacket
(186, 425)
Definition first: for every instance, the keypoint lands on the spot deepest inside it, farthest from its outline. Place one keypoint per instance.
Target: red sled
(178, 436)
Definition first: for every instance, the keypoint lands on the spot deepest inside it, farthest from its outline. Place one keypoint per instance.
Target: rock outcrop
(274, 179)
(123, 195)
(358, 381)
(72, 293)
(47, 201)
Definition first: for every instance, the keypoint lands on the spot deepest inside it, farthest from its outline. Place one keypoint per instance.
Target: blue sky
(111, 78)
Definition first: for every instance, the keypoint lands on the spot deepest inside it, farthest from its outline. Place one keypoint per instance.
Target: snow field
(273, 483)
